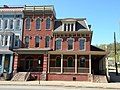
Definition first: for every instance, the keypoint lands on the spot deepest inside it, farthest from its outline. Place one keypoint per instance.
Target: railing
(55, 69)
(83, 70)
(68, 69)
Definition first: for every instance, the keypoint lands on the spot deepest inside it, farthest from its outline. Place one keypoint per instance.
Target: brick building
(60, 49)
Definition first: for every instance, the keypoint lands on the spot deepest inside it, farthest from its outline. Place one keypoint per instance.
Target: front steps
(21, 76)
(100, 79)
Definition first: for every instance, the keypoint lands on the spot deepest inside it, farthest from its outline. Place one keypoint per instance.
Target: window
(11, 24)
(82, 62)
(0, 60)
(37, 40)
(38, 23)
(70, 62)
(0, 24)
(64, 27)
(2, 39)
(18, 24)
(70, 43)
(47, 40)
(16, 41)
(68, 27)
(26, 41)
(58, 62)
(48, 23)
(82, 44)
(6, 40)
(27, 23)
(71, 27)
(6, 22)
(58, 44)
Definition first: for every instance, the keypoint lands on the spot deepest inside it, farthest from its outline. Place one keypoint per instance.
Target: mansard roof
(81, 24)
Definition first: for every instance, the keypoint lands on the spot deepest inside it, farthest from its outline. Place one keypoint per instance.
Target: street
(47, 88)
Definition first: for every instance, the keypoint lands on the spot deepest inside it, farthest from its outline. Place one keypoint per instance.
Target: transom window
(82, 44)
(11, 24)
(70, 43)
(37, 40)
(48, 23)
(27, 23)
(26, 41)
(38, 23)
(58, 43)
(47, 41)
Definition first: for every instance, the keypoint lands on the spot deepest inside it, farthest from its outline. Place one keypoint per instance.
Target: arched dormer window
(48, 23)
(38, 24)
(27, 23)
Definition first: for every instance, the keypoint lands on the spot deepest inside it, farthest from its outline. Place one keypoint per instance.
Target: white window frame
(19, 24)
(10, 24)
(73, 43)
(1, 24)
(7, 23)
(15, 39)
(84, 44)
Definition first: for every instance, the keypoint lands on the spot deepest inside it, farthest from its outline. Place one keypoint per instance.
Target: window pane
(11, 24)
(38, 23)
(58, 44)
(2, 39)
(0, 60)
(6, 22)
(68, 27)
(58, 62)
(71, 27)
(82, 44)
(37, 41)
(48, 23)
(64, 27)
(16, 40)
(47, 40)
(6, 40)
(70, 44)
(18, 24)
(28, 23)
(70, 62)
(27, 41)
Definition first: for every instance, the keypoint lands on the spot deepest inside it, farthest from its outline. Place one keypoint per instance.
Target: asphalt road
(47, 88)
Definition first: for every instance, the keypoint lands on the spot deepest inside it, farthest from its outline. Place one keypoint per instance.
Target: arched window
(27, 23)
(47, 41)
(58, 62)
(11, 24)
(38, 23)
(70, 43)
(58, 44)
(37, 40)
(26, 41)
(48, 23)
(70, 62)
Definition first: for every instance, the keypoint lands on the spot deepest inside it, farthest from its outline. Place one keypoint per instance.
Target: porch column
(11, 63)
(75, 63)
(107, 66)
(90, 63)
(44, 68)
(61, 63)
(3, 60)
(15, 63)
(48, 63)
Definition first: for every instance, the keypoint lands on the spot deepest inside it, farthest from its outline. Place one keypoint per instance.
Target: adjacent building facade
(10, 35)
(51, 48)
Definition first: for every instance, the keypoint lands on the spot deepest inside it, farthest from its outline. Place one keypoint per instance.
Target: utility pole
(115, 54)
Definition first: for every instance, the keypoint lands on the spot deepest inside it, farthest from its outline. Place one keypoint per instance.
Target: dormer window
(69, 26)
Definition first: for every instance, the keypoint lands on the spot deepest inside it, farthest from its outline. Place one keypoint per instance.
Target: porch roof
(6, 52)
(79, 52)
(32, 50)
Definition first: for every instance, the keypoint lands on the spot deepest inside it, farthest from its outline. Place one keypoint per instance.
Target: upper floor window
(37, 40)
(82, 44)
(58, 44)
(26, 41)
(48, 23)
(6, 23)
(68, 27)
(28, 23)
(18, 24)
(0, 24)
(2, 39)
(70, 43)
(38, 23)
(16, 40)
(71, 27)
(64, 27)
(11, 24)
(6, 40)
(47, 41)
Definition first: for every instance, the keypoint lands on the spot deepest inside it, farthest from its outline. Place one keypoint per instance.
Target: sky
(103, 15)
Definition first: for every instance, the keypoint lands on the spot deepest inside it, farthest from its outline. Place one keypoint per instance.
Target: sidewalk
(64, 84)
